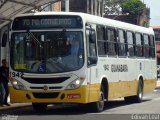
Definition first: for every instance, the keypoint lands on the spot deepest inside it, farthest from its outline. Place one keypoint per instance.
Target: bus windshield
(47, 52)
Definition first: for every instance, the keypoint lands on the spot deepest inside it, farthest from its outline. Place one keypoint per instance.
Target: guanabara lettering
(119, 68)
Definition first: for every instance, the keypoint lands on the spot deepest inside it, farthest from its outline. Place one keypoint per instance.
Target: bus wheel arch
(99, 105)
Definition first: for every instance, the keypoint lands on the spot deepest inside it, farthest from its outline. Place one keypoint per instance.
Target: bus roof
(98, 20)
(155, 27)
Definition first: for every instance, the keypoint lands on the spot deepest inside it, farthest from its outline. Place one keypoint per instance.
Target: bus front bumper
(80, 95)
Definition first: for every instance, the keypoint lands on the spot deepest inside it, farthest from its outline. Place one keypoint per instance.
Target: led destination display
(45, 22)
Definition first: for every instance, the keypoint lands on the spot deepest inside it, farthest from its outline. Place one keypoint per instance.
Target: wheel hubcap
(140, 93)
(101, 101)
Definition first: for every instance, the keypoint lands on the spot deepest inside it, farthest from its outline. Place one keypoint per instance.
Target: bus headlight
(74, 84)
(18, 85)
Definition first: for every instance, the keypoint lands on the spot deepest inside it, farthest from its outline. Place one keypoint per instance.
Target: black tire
(99, 105)
(137, 98)
(39, 107)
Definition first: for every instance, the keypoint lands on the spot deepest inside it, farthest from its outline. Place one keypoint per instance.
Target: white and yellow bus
(79, 58)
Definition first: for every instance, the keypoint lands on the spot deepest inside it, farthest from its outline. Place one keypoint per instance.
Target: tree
(133, 7)
(113, 7)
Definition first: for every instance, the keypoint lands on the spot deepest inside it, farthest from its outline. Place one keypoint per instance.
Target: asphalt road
(149, 109)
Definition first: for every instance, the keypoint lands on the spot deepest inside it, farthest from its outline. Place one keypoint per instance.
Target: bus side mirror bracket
(92, 37)
(92, 61)
(4, 39)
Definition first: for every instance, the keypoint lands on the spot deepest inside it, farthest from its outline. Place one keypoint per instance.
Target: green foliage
(133, 7)
(113, 6)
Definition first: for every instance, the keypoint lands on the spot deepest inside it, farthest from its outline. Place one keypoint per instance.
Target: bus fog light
(74, 84)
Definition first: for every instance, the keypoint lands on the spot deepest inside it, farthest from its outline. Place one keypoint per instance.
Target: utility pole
(66, 5)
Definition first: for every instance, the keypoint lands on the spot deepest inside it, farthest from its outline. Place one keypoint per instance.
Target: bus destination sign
(46, 22)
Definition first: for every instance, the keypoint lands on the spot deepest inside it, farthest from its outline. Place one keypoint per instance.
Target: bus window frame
(141, 38)
(115, 41)
(88, 41)
(119, 43)
(152, 47)
(102, 41)
(133, 43)
(144, 45)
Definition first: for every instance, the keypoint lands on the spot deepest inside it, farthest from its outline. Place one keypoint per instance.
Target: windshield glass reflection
(47, 52)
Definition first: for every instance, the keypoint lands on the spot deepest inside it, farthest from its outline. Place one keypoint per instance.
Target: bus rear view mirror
(92, 60)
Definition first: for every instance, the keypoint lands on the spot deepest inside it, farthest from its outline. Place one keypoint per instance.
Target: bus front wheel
(99, 105)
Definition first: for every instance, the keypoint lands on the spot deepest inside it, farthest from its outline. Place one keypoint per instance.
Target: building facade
(157, 42)
(95, 7)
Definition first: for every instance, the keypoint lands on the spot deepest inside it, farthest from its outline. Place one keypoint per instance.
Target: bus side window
(112, 42)
(152, 47)
(139, 45)
(121, 42)
(4, 39)
(102, 42)
(130, 41)
(91, 46)
(146, 46)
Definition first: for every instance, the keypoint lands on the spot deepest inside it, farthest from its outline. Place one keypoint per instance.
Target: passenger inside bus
(71, 60)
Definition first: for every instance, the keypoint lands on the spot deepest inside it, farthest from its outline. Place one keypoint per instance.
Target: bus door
(91, 62)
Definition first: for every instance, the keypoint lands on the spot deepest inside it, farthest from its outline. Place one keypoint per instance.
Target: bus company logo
(45, 87)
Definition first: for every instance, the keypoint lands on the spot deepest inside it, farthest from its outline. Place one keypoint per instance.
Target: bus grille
(46, 95)
(46, 80)
(52, 88)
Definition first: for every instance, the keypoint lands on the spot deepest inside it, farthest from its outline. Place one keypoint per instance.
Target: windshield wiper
(34, 38)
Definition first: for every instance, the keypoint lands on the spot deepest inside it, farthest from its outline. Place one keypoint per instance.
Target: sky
(154, 6)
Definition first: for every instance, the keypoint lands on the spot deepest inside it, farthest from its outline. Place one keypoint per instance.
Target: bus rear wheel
(137, 98)
(39, 107)
(99, 105)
